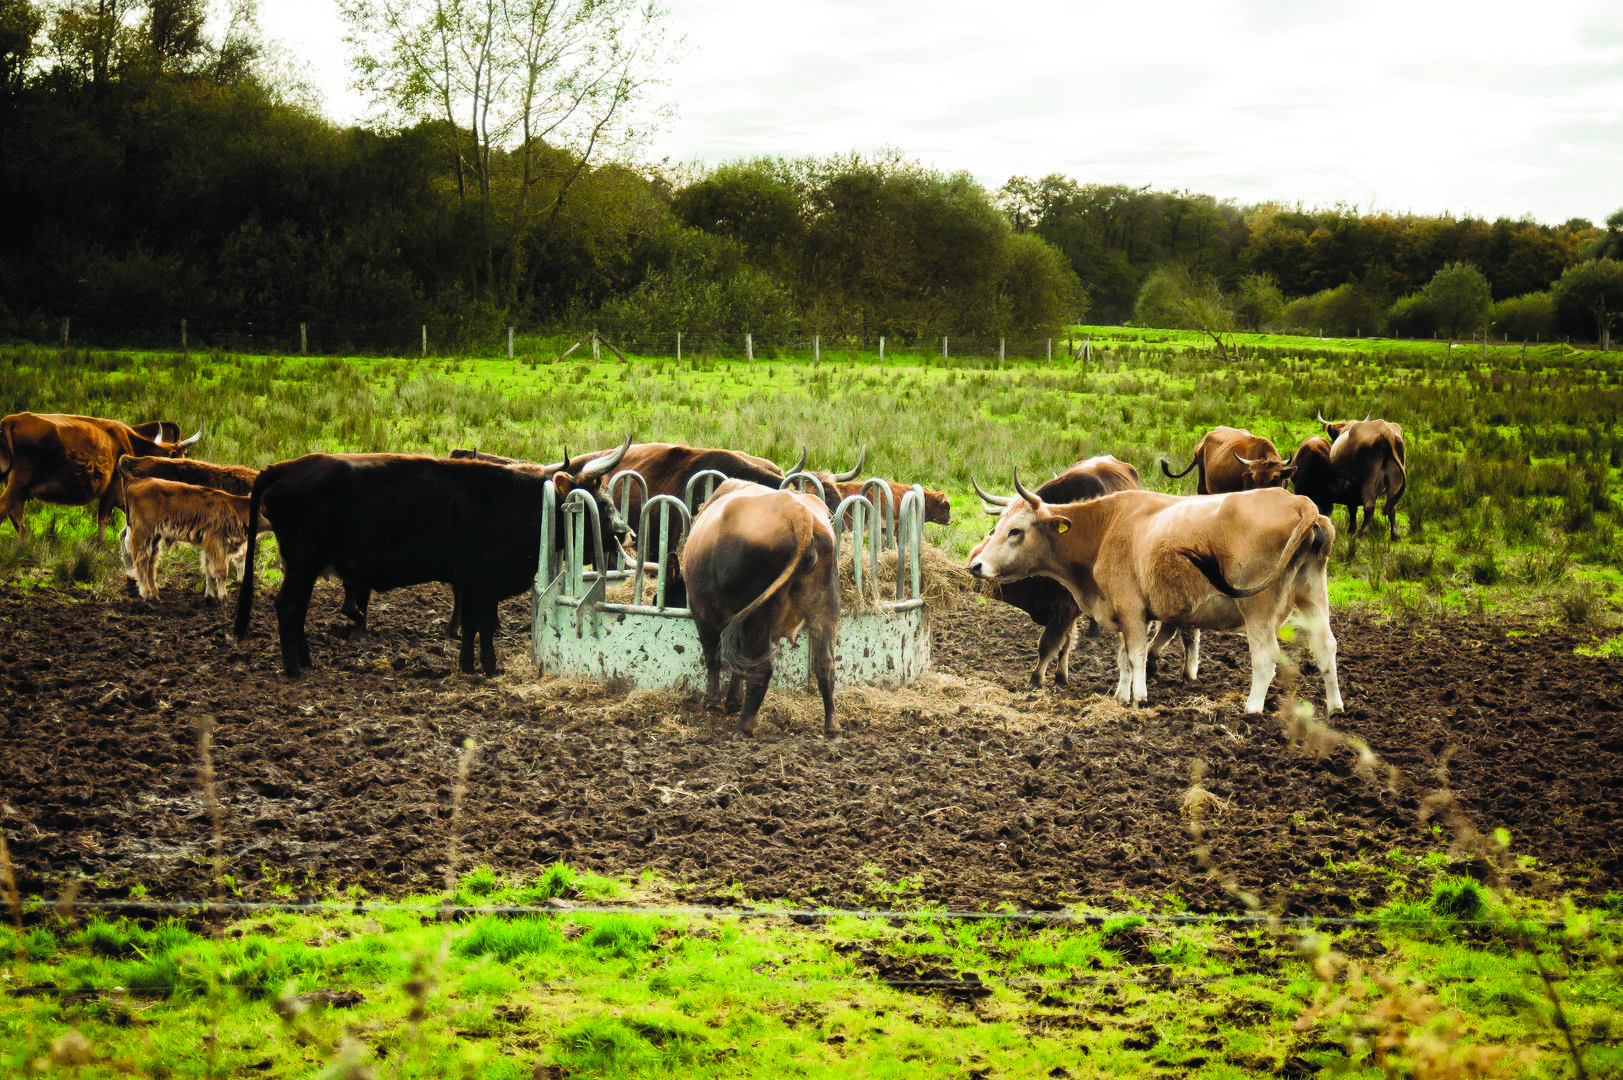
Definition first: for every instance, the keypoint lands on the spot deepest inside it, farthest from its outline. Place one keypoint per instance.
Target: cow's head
(1023, 540)
(1334, 428)
(1264, 472)
(615, 531)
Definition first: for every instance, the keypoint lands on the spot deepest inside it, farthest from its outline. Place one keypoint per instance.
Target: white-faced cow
(73, 460)
(759, 565)
(1049, 603)
(160, 511)
(1215, 562)
(384, 521)
(1233, 459)
(1367, 456)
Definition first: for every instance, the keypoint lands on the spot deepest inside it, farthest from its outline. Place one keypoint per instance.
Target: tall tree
(510, 83)
(1459, 298)
(1593, 288)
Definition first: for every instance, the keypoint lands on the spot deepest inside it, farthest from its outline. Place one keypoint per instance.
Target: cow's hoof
(833, 732)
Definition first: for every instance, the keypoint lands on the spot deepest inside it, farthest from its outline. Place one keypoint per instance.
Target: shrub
(1530, 317)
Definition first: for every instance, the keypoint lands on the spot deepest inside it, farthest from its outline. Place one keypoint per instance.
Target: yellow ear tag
(1062, 525)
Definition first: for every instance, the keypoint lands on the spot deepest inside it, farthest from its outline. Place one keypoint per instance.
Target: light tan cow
(162, 511)
(1233, 459)
(1367, 456)
(1208, 562)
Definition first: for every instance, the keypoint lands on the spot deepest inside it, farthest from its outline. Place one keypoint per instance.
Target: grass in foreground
(1448, 984)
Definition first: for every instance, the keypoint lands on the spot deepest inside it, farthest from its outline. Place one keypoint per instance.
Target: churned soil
(964, 790)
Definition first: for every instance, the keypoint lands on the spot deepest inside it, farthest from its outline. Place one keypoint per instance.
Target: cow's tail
(1166, 467)
(1307, 531)
(731, 651)
(245, 593)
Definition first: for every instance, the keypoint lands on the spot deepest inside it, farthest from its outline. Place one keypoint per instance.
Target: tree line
(151, 172)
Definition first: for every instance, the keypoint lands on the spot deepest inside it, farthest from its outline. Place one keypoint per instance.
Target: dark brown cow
(73, 460)
(1214, 562)
(759, 564)
(937, 510)
(1367, 456)
(1316, 478)
(1048, 602)
(168, 511)
(1233, 459)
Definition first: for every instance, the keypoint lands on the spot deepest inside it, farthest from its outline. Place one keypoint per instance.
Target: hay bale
(943, 581)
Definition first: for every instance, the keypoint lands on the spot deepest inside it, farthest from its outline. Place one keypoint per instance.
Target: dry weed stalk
(211, 800)
(1397, 1022)
(8, 881)
(453, 852)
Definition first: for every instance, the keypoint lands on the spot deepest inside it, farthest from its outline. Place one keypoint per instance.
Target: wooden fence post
(304, 338)
(1048, 353)
(881, 348)
(1000, 352)
(749, 348)
(183, 335)
(509, 343)
(817, 348)
(64, 331)
(943, 348)
(679, 346)
(425, 340)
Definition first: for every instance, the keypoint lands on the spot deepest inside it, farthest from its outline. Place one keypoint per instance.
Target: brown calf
(162, 511)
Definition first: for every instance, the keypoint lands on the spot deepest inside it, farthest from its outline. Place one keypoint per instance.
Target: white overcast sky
(1485, 107)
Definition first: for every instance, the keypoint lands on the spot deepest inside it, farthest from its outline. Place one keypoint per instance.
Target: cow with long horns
(759, 565)
(73, 460)
(383, 521)
(1233, 459)
(1216, 562)
(1367, 457)
(1048, 602)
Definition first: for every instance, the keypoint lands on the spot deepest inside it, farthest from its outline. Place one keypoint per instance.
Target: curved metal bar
(711, 477)
(575, 539)
(788, 484)
(910, 542)
(864, 521)
(662, 548)
(626, 479)
(886, 505)
(546, 571)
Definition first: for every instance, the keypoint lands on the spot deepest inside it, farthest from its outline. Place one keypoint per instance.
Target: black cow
(383, 521)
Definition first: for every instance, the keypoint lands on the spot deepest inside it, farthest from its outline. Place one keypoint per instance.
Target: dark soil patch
(969, 792)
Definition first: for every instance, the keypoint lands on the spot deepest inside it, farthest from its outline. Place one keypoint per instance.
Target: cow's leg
(1313, 604)
(1135, 635)
(1352, 519)
(144, 551)
(216, 568)
(12, 500)
(755, 693)
(356, 598)
(1263, 637)
(1164, 633)
(1191, 653)
(454, 626)
(820, 647)
(1124, 672)
(292, 606)
(1056, 641)
(709, 643)
(1394, 492)
(104, 512)
(124, 550)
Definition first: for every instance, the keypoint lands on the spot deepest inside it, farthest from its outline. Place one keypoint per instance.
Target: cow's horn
(988, 498)
(1322, 420)
(856, 470)
(600, 466)
(1242, 460)
(797, 466)
(1021, 489)
(1367, 416)
(185, 444)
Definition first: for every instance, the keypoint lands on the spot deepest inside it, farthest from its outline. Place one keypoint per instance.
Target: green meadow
(1512, 510)
(1514, 453)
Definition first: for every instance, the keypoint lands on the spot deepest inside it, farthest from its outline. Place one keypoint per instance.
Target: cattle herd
(758, 563)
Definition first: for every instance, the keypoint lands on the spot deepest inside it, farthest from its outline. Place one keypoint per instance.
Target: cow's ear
(1061, 525)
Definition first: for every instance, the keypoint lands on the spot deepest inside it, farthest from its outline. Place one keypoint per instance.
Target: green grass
(635, 994)
(1514, 462)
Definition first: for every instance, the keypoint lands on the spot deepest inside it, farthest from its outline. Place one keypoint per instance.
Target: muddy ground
(965, 790)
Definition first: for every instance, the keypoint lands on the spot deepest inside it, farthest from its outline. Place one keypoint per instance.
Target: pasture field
(978, 881)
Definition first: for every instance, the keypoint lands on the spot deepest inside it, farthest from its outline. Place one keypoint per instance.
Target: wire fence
(451, 339)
